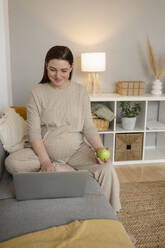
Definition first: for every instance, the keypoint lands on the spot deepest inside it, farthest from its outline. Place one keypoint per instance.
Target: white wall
(117, 27)
(5, 74)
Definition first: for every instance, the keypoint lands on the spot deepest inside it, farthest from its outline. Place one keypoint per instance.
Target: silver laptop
(39, 185)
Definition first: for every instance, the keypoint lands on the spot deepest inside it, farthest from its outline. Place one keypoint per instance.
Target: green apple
(103, 153)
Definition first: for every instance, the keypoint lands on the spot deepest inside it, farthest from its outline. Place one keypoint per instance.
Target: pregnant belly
(63, 146)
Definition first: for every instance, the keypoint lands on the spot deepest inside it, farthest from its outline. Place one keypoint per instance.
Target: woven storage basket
(100, 124)
(128, 146)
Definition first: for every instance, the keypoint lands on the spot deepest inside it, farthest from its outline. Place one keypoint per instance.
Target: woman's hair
(57, 52)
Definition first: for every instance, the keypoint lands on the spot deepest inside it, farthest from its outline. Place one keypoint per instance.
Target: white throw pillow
(13, 130)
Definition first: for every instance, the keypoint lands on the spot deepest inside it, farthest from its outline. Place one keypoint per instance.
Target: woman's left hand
(99, 161)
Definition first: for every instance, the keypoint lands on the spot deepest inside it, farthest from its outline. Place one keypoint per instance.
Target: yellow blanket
(78, 234)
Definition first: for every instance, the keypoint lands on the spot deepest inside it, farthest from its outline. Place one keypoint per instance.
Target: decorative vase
(156, 88)
(128, 123)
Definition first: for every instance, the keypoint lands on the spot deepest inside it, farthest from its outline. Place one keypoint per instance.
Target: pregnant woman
(59, 117)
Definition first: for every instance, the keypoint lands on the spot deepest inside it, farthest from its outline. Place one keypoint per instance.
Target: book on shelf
(155, 125)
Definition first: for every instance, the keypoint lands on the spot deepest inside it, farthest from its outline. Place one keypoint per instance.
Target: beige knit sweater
(60, 117)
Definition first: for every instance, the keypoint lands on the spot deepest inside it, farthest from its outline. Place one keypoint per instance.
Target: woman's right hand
(47, 167)
(99, 161)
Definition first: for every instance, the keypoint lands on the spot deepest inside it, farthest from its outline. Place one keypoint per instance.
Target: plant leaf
(129, 109)
(162, 69)
(152, 59)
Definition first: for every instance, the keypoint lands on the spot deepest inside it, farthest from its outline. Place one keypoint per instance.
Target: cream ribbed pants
(26, 160)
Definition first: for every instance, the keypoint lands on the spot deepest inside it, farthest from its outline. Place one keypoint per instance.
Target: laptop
(43, 185)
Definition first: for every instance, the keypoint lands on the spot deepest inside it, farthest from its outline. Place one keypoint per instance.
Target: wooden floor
(141, 172)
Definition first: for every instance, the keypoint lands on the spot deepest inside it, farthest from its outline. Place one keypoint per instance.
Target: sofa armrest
(2, 158)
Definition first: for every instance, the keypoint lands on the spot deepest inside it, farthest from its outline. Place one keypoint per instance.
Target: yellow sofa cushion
(21, 111)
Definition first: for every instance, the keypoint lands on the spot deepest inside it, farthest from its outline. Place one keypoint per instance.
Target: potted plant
(129, 111)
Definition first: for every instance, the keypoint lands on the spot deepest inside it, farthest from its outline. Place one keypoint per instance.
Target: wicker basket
(100, 124)
(128, 146)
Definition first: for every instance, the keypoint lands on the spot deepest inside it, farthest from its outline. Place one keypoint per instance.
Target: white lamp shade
(93, 62)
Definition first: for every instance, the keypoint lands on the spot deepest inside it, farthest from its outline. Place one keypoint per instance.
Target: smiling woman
(59, 72)
(59, 117)
(58, 66)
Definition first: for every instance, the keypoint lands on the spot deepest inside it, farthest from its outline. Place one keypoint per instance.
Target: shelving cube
(150, 123)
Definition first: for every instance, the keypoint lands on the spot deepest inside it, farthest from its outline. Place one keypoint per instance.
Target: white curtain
(5, 71)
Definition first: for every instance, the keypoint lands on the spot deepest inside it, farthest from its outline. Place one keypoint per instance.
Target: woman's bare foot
(132, 238)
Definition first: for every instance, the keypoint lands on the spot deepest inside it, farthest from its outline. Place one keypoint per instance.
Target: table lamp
(93, 63)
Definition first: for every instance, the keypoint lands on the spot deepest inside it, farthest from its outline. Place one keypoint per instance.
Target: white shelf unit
(150, 122)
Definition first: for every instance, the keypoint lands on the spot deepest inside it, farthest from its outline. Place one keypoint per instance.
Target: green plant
(130, 109)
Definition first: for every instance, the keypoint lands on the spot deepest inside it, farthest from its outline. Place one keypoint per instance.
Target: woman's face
(58, 71)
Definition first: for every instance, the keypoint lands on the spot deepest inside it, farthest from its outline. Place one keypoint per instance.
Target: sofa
(24, 217)
(20, 217)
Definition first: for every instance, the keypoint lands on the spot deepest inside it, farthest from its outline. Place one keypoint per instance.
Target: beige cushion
(102, 111)
(13, 130)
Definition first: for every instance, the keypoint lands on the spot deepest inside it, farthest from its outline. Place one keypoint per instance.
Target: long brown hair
(57, 52)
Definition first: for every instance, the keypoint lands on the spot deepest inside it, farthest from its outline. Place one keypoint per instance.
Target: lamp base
(93, 83)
